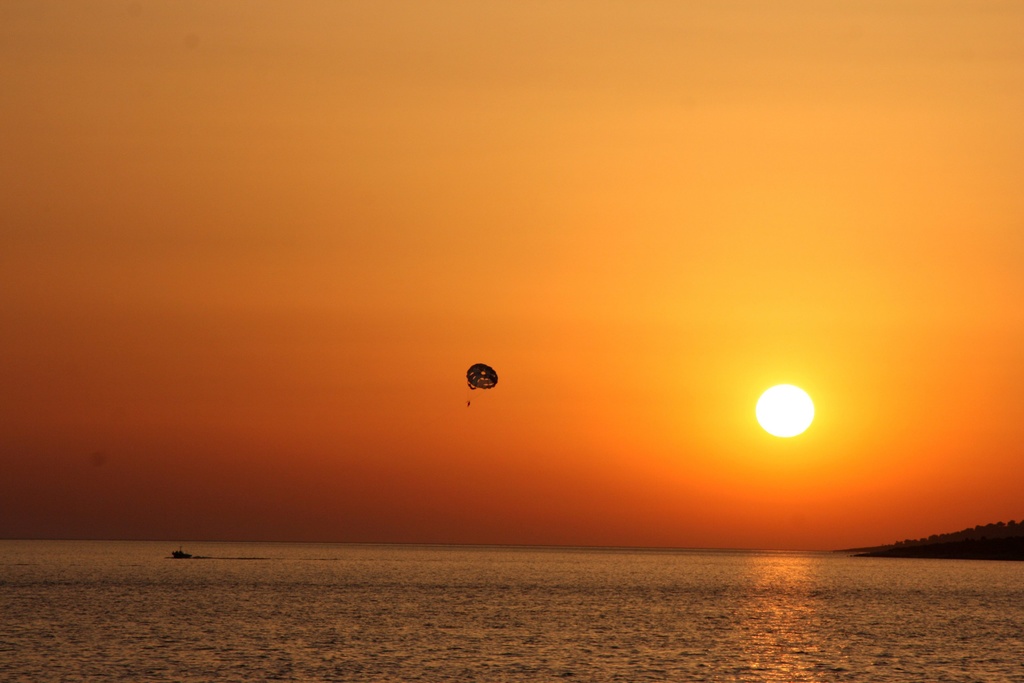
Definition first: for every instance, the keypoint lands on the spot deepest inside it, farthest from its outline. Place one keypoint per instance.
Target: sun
(785, 410)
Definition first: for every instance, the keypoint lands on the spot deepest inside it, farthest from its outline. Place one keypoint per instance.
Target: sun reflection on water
(780, 622)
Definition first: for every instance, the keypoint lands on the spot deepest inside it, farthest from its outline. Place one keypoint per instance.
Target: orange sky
(248, 251)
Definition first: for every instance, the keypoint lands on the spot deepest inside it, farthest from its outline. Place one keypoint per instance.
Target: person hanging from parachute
(480, 376)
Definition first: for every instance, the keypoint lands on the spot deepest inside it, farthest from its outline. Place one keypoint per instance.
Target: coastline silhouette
(995, 541)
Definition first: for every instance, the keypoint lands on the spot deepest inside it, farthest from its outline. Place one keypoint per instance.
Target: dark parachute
(481, 376)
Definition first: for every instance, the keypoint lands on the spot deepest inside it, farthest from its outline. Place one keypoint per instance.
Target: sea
(126, 611)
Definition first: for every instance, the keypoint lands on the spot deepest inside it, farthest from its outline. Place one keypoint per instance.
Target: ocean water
(123, 611)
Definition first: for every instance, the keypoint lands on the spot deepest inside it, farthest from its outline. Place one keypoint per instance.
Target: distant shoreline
(1009, 549)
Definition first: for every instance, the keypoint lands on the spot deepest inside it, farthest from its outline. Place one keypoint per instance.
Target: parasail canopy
(481, 376)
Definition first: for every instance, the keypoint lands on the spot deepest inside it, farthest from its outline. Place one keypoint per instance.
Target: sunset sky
(249, 249)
